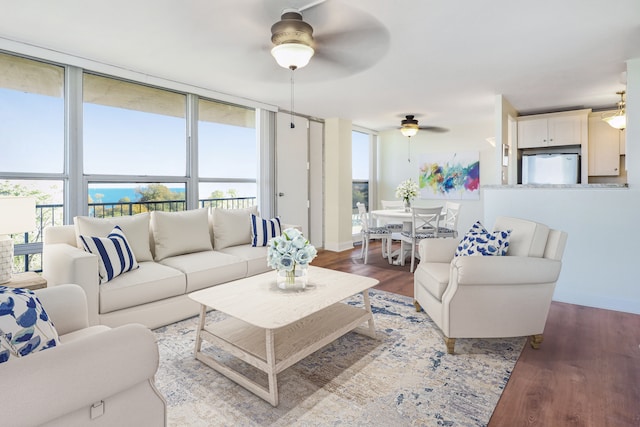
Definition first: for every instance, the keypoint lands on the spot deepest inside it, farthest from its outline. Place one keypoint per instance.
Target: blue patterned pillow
(263, 230)
(114, 254)
(25, 327)
(480, 242)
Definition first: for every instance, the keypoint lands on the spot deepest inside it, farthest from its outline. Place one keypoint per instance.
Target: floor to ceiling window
(118, 149)
(227, 154)
(360, 161)
(32, 136)
(133, 131)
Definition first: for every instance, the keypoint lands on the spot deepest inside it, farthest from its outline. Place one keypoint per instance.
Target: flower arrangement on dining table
(407, 190)
(289, 251)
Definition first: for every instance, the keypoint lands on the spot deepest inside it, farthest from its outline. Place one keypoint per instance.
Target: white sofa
(96, 376)
(177, 253)
(491, 296)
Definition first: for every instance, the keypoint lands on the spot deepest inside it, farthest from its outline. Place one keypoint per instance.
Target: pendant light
(618, 119)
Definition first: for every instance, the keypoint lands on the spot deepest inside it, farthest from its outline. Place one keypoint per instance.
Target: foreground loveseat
(176, 252)
(95, 376)
(491, 296)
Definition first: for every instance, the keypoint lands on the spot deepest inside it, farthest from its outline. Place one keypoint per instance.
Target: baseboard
(338, 247)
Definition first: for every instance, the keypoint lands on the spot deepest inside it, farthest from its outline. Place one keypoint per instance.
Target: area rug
(404, 377)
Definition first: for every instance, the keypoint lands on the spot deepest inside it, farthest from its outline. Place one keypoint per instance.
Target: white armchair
(491, 296)
(96, 376)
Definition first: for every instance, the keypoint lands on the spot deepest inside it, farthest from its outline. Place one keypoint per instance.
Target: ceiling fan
(340, 39)
(409, 127)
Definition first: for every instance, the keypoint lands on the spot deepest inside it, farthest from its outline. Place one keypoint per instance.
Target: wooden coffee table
(272, 329)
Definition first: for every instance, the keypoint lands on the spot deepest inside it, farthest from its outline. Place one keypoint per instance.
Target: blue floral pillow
(25, 327)
(480, 242)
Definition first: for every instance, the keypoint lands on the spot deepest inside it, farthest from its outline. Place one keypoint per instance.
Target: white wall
(394, 168)
(601, 264)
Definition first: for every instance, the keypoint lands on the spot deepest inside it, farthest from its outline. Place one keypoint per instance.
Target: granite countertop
(553, 186)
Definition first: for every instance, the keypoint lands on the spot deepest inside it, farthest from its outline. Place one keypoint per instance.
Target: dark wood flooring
(586, 372)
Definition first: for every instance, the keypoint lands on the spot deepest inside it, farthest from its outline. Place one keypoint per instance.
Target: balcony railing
(29, 251)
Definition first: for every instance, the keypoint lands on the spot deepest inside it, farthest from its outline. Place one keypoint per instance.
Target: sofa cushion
(434, 277)
(135, 227)
(205, 269)
(151, 282)
(177, 233)
(231, 226)
(262, 230)
(115, 256)
(255, 256)
(25, 327)
(528, 238)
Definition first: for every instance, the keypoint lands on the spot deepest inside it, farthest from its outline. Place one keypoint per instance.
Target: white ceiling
(442, 60)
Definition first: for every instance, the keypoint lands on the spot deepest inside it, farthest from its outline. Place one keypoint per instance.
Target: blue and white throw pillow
(115, 256)
(25, 327)
(263, 230)
(480, 242)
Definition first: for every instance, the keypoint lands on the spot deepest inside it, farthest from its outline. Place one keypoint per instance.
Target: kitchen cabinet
(604, 147)
(553, 129)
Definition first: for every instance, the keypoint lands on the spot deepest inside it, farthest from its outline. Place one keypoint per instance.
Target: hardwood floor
(586, 372)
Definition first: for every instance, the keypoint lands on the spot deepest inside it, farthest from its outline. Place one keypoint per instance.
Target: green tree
(232, 193)
(156, 193)
(218, 194)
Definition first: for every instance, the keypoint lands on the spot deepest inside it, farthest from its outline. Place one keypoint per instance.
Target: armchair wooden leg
(416, 304)
(450, 342)
(536, 340)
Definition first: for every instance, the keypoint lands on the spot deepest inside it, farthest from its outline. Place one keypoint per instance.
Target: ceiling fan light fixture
(409, 130)
(618, 120)
(292, 55)
(292, 39)
(409, 126)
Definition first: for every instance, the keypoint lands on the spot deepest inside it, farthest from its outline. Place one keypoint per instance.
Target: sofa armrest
(54, 382)
(437, 250)
(505, 270)
(66, 305)
(63, 263)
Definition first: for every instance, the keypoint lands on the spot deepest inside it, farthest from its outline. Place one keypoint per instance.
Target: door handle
(280, 194)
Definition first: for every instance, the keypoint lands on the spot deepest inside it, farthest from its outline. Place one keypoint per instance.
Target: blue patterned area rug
(404, 377)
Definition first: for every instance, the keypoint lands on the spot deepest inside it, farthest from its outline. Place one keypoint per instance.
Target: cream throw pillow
(232, 227)
(177, 233)
(135, 228)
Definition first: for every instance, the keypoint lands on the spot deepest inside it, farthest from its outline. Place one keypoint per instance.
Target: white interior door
(292, 171)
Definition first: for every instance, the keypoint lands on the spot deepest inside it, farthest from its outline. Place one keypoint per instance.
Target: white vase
(407, 206)
(294, 279)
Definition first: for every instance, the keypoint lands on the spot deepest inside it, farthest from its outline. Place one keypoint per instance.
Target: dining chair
(394, 227)
(369, 232)
(424, 225)
(448, 226)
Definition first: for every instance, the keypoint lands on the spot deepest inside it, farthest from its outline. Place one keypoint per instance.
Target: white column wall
(337, 173)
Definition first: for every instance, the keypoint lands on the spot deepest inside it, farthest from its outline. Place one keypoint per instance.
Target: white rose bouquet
(407, 191)
(289, 250)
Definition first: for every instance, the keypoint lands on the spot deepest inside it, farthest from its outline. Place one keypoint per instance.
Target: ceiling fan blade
(434, 129)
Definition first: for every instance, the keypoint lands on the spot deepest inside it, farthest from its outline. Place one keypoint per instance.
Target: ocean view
(114, 195)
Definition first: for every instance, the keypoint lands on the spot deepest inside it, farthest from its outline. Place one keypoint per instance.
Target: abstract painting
(450, 176)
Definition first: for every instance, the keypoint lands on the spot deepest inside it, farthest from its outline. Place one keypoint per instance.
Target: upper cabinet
(606, 144)
(553, 129)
